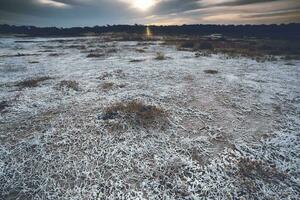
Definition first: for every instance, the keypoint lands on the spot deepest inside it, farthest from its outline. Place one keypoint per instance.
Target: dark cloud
(101, 12)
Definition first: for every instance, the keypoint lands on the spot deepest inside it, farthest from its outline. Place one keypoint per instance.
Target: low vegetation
(34, 82)
(255, 169)
(258, 49)
(136, 113)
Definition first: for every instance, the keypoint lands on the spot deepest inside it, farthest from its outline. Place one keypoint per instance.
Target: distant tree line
(291, 31)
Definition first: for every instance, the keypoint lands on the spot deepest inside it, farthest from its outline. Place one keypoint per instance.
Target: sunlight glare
(143, 4)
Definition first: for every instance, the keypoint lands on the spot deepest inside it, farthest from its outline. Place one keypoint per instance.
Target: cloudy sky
(67, 13)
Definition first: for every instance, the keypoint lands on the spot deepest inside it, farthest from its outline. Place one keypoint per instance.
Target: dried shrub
(69, 84)
(136, 113)
(34, 82)
(160, 56)
(211, 71)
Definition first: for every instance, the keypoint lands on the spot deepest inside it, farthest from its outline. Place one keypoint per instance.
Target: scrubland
(128, 117)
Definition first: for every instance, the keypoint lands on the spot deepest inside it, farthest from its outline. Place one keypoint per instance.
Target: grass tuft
(34, 82)
(136, 113)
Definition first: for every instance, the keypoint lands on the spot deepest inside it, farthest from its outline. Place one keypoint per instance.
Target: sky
(68, 13)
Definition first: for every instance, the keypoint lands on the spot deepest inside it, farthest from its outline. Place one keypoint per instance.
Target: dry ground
(92, 118)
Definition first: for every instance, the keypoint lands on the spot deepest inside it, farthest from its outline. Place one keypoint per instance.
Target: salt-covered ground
(231, 135)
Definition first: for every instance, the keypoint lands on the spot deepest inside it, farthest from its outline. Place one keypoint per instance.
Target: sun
(143, 5)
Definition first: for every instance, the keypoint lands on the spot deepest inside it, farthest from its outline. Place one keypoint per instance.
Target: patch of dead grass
(253, 169)
(137, 114)
(34, 82)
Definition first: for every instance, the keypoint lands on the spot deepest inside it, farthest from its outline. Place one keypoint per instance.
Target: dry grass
(69, 84)
(136, 113)
(211, 71)
(34, 82)
(258, 49)
(254, 169)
